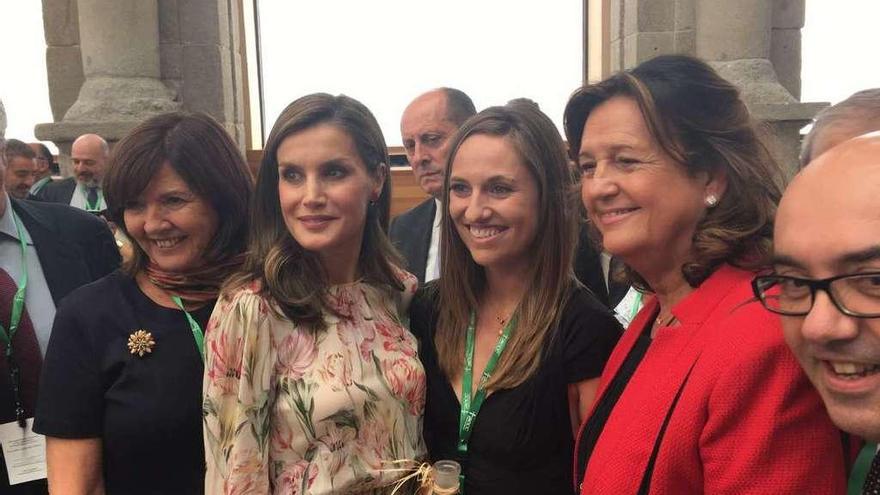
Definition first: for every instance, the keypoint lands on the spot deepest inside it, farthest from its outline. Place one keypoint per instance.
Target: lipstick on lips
(315, 222)
(610, 216)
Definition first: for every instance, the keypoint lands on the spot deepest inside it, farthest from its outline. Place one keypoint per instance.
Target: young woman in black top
(120, 397)
(512, 345)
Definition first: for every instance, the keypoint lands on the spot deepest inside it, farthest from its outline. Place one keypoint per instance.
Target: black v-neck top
(522, 441)
(147, 410)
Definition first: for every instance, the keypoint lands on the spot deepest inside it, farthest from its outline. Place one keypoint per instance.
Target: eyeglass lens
(858, 294)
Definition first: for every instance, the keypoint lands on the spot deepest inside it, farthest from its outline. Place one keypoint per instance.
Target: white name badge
(24, 452)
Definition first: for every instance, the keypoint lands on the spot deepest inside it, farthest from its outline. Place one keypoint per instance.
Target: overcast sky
(385, 53)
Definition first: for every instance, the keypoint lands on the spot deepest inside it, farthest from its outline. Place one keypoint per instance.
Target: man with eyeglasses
(43, 170)
(826, 286)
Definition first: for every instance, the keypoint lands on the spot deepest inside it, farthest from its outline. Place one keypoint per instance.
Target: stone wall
(63, 57)
(755, 44)
(199, 66)
(201, 59)
(2, 120)
(642, 29)
(785, 43)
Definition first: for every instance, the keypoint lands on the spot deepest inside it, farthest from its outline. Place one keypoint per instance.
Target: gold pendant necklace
(665, 321)
(501, 321)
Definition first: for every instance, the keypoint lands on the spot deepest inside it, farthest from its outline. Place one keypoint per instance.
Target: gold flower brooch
(141, 342)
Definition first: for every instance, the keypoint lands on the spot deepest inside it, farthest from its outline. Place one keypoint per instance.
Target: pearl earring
(711, 201)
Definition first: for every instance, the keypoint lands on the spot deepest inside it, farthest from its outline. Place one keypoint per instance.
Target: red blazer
(747, 420)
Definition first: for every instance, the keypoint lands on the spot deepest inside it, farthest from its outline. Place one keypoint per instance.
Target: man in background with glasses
(826, 286)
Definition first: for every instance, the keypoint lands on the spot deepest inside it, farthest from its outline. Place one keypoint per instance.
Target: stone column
(2, 120)
(119, 42)
(735, 37)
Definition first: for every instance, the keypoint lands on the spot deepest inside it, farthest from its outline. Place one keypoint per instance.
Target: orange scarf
(199, 285)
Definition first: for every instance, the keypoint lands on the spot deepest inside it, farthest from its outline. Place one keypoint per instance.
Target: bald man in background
(89, 158)
(859, 114)
(427, 126)
(827, 241)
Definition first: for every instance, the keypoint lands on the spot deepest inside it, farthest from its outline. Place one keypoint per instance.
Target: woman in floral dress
(312, 384)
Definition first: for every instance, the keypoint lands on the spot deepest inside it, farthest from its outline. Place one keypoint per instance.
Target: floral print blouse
(295, 412)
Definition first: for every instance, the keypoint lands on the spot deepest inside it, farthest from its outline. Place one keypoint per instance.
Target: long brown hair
(291, 275)
(551, 278)
(698, 119)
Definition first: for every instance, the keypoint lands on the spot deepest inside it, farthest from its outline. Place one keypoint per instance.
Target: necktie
(872, 481)
(26, 354)
(92, 197)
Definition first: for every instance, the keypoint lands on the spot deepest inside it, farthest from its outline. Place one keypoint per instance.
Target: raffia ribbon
(422, 472)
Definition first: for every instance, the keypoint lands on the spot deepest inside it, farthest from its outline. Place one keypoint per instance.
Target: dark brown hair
(536, 140)
(699, 120)
(203, 154)
(16, 148)
(290, 274)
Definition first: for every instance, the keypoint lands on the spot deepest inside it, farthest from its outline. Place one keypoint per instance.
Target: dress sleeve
(70, 401)
(588, 332)
(763, 400)
(238, 395)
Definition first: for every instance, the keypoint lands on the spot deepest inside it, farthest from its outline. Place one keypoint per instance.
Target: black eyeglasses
(856, 295)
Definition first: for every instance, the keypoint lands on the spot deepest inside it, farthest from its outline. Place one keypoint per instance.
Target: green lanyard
(39, 185)
(18, 300)
(14, 320)
(92, 207)
(198, 335)
(470, 406)
(637, 305)
(860, 470)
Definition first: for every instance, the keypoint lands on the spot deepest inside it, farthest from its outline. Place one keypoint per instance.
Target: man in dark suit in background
(19, 176)
(427, 127)
(88, 154)
(63, 249)
(45, 166)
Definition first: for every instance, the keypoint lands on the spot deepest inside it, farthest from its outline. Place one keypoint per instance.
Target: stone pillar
(63, 57)
(736, 38)
(785, 43)
(119, 42)
(202, 58)
(2, 120)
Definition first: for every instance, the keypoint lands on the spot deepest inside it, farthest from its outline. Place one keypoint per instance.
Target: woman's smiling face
(494, 202)
(173, 225)
(639, 198)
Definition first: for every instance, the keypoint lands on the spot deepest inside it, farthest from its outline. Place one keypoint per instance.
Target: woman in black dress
(120, 395)
(512, 345)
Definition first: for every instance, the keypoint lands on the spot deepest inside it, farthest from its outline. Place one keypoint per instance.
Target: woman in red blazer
(701, 395)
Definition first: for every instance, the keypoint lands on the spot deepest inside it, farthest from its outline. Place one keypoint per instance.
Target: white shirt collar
(7, 225)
